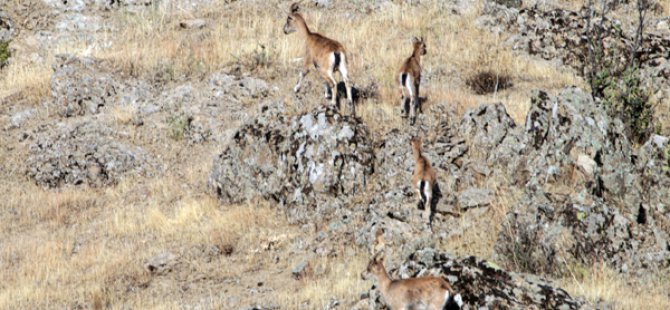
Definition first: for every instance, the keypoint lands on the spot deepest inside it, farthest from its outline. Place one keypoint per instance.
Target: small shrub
(488, 82)
(179, 126)
(625, 98)
(4, 53)
(259, 58)
(613, 71)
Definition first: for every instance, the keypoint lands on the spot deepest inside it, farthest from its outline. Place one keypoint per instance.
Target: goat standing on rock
(431, 293)
(423, 179)
(326, 55)
(409, 78)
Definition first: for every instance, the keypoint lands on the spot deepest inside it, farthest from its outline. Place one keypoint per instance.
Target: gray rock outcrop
(82, 153)
(312, 162)
(6, 27)
(82, 86)
(589, 195)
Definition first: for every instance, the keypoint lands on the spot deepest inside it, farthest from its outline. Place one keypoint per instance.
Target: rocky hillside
(154, 156)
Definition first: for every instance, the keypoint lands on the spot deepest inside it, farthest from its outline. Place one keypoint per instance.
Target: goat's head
(420, 45)
(415, 142)
(375, 266)
(293, 16)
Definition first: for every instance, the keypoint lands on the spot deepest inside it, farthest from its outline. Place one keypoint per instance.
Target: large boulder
(82, 153)
(480, 283)
(82, 86)
(312, 162)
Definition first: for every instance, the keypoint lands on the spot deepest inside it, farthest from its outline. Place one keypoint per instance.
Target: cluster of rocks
(82, 86)
(87, 91)
(562, 35)
(481, 284)
(312, 162)
(589, 194)
(82, 153)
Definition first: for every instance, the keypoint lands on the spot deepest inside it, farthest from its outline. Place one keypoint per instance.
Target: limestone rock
(82, 153)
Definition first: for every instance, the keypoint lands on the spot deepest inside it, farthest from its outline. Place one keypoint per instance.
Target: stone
(81, 86)
(314, 159)
(193, 24)
(566, 218)
(475, 197)
(161, 263)
(19, 118)
(301, 270)
(6, 27)
(85, 152)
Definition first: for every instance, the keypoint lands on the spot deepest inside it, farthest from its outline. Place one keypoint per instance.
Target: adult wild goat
(409, 78)
(326, 55)
(432, 293)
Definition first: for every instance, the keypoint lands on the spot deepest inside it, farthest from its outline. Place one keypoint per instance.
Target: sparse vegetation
(4, 53)
(84, 247)
(179, 126)
(600, 284)
(488, 82)
(613, 69)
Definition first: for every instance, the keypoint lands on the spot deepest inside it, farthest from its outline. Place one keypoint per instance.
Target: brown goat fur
(409, 79)
(423, 179)
(431, 293)
(326, 55)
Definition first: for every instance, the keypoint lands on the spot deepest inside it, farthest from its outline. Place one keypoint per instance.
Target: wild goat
(423, 179)
(326, 55)
(432, 293)
(409, 77)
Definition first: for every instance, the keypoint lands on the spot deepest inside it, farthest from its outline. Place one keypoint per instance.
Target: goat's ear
(422, 40)
(295, 7)
(375, 258)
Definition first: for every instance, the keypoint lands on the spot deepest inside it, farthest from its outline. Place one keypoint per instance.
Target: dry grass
(31, 79)
(150, 43)
(82, 241)
(83, 247)
(600, 284)
(482, 227)
(340, 279)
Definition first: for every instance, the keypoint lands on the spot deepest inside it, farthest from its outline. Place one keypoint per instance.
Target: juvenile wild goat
(423, 179)
(326, 55)
(431, 293)
(409, 77)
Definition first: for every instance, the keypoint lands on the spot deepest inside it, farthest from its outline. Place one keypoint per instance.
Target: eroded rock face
(481, 283)
(589, 195)
(316, 159)
(558, 34)
(84, 153)
(82, 86)
(6, 27)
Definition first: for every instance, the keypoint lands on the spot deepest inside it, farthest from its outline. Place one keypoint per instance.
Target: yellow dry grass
(480, 230)
(600, 284)
(83, 247)
(30, 79)
(340, 279)
(72, 247)
(151, 43)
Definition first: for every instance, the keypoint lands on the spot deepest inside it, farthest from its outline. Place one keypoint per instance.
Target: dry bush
(488, 82)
